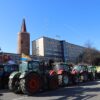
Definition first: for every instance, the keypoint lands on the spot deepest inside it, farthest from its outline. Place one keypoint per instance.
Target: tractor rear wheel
(53, 82)
(31, 84)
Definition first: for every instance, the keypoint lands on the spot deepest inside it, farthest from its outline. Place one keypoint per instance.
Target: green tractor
(91, 72)
(32, 77)
(98, 72)
(80, 73)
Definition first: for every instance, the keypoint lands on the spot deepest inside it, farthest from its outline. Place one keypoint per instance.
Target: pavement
(83, 91)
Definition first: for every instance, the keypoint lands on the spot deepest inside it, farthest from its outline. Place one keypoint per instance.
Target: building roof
(23, 27)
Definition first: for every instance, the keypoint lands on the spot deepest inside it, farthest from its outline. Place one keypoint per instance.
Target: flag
(25, 57)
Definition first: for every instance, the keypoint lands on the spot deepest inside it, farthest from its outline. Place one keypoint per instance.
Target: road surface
(84, 91)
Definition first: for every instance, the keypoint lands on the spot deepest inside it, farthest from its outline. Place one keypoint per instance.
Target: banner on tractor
(25, 57)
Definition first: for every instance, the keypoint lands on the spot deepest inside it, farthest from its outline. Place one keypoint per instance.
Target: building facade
(55, 49)
(12, 56)
(71, 51)
(47, 48)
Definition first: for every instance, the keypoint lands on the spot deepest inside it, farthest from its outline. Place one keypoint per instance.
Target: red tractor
(63, 71)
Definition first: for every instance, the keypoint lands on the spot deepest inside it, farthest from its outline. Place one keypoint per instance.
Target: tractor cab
(61, 66)
(91, 72)
(91, 68)
(29, 66)
(80, 68)
(9, 68)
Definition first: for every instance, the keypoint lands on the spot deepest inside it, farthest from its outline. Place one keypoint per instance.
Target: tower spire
(23, 27)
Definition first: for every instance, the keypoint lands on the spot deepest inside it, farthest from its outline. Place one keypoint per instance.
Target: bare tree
(90, 54)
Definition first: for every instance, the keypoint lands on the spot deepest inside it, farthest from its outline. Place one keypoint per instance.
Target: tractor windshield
(61, 67)
(78, 68)
(91, 68)
(10, 68)
(29, 66)
(33, 65)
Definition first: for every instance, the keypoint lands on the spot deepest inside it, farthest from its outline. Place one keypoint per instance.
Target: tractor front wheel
(65, 80)
(13, 85)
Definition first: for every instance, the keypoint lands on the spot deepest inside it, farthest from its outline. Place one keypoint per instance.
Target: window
(33, 66)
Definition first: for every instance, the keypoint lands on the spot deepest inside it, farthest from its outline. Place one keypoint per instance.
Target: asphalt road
(84, 91)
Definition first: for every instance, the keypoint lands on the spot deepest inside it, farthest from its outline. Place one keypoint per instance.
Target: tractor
(80, 73)
(98, 72)
(63, 70)
(32, 77)
(1, 76)
(5, 71)
(91, 72)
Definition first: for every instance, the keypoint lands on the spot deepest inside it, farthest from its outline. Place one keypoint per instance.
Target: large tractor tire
(63, 80)
(31, 84)
(60, 80)
(83, 77)
(10, 84)
(52, 82)
(13, 84)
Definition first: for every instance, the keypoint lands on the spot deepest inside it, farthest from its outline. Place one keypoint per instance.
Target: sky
(76, 21)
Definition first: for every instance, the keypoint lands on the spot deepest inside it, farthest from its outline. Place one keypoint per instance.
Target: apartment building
(49, 48)
(71, 51)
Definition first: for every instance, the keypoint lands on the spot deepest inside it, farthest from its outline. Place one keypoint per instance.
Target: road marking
(20, 98)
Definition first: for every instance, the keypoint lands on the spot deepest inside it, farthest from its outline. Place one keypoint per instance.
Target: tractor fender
(12, 75)
(74, 72)
(22, 75)
(25, 74)
(52, 72)
(60, 72)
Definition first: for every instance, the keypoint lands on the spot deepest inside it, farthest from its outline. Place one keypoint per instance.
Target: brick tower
(23, 40)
